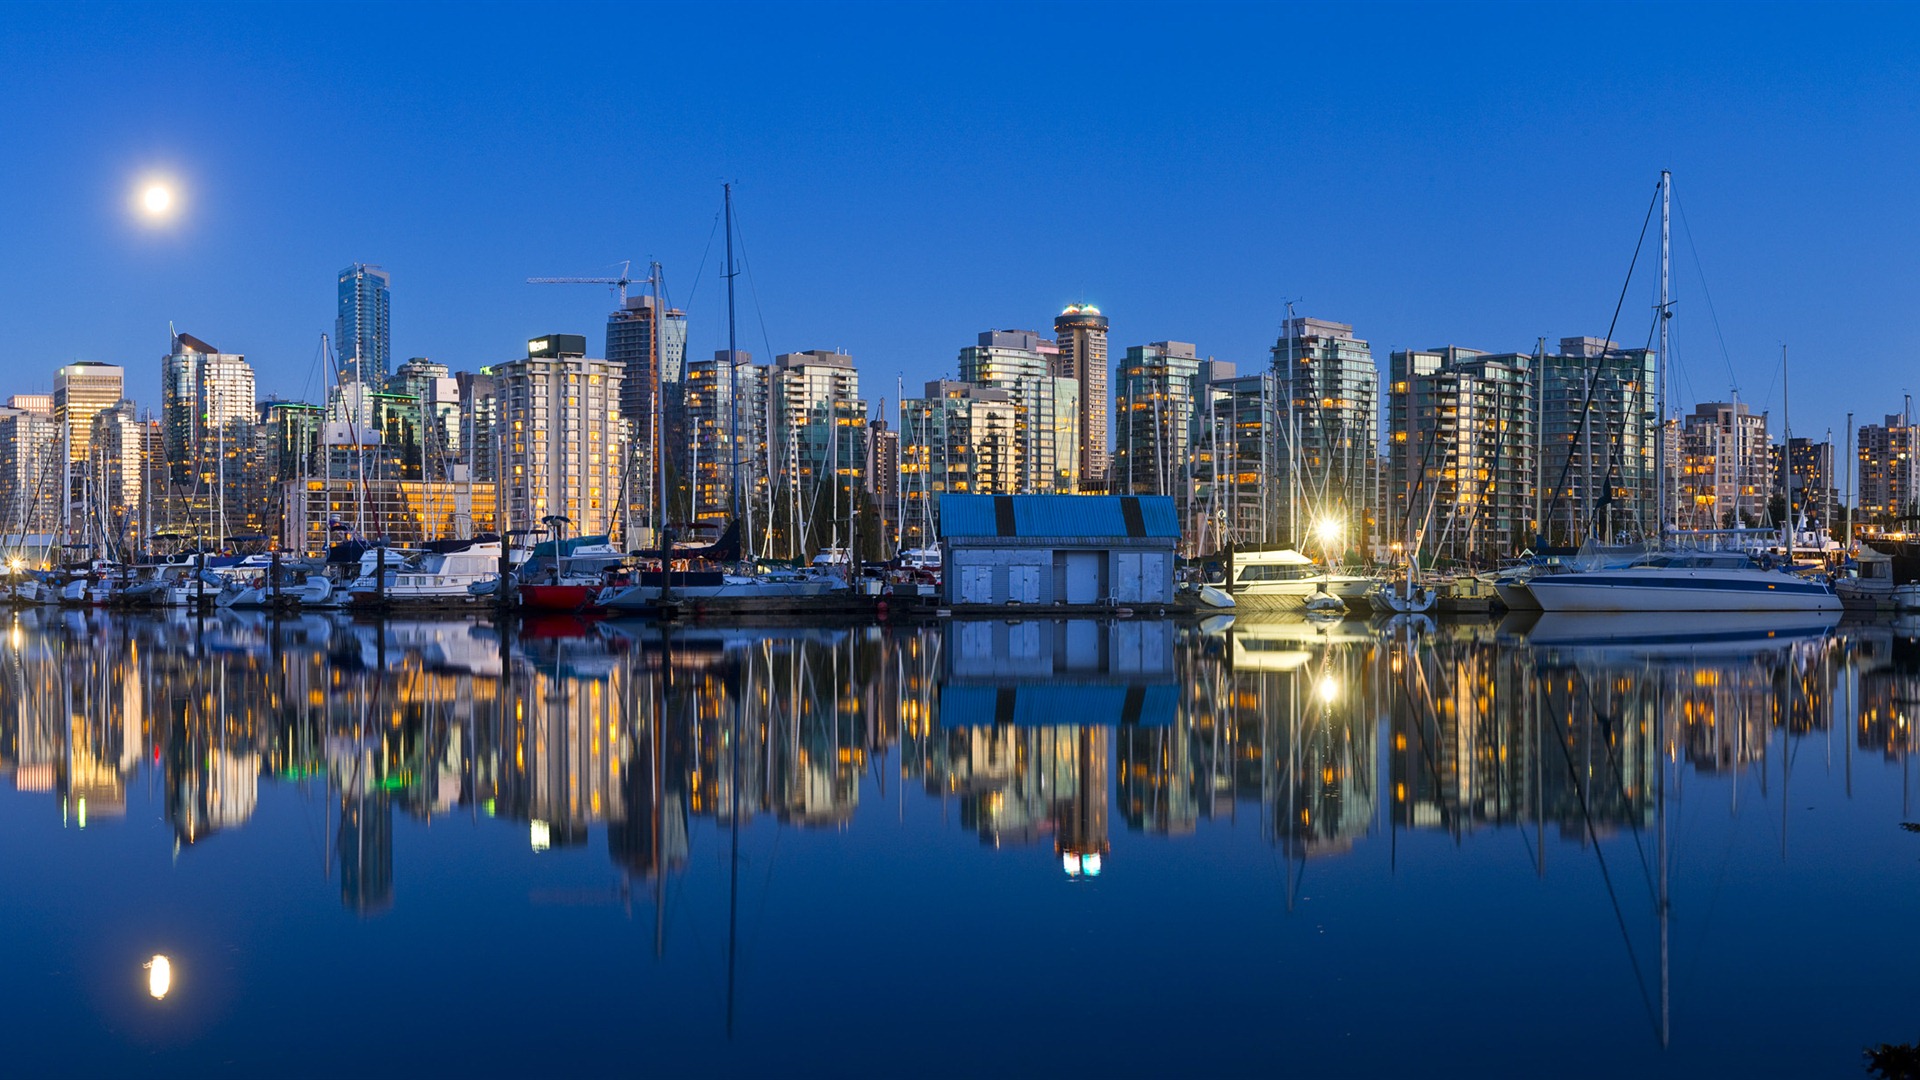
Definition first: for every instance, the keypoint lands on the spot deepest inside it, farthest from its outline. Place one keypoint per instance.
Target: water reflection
(1039, 735)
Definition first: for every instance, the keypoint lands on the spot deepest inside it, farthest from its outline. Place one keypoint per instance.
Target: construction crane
(619, 284)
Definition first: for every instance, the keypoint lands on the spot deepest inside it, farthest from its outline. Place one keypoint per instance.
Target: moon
(157, 199)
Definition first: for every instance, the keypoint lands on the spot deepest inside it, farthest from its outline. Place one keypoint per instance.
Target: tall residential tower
(361, 334)
(1082, 338)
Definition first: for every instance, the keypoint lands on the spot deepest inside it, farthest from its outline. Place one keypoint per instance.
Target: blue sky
(911, 174)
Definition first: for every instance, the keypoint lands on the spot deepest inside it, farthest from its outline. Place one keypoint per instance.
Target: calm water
(423, 848)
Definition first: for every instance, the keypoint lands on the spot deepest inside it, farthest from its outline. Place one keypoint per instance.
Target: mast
(1786, 428)
(1660, 361)
(659, 416)
(733, 387)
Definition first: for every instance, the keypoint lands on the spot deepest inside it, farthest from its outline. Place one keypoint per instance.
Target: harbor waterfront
(241, 844)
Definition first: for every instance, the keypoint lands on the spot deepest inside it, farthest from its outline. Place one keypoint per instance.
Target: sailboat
(1673, 580)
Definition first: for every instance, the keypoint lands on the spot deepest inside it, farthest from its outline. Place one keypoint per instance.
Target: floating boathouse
(1057, 551)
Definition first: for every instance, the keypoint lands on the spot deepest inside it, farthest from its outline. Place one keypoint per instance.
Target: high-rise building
(1329, 464)
(1460, 448)
(1724, 477)
(883, 476)
(207, 410)
(1889, 460)
(635, 334)
(117, 463)
(1808, 467)
(727, 435)
(1158, 387)
(959, 438)
(1023, 363)
(479, 436)
(80, 390)
(819, 442)
(1081, 333)
(1597, 433)
(362, 334)
(31, 468)
(1234, 461)
(436, 397)
(293, 435)
(563, 441)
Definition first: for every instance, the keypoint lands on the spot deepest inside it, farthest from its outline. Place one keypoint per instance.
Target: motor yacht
(1684, 581)
(1287, 579)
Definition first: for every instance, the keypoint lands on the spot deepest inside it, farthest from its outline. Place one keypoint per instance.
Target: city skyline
(1200, 245)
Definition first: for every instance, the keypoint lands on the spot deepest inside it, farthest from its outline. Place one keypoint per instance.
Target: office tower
(957, 438)
(117, 462)
(1889, 465)
(564, 443)
(362, 335)
(1329, 467)
(1081, 337)
(727, 436)
(1048, 407)
(1724, 477)
(883, 476)
(1808, 465)
(819, 445)
(293, 439)
(80, 390)
(634, 334)
(1234, 461)
(1157, 390)
(1460, 449)
(436, 398)
(1595, 475)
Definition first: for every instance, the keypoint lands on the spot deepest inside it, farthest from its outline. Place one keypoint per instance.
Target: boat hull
(560, 598)
(1672, 589)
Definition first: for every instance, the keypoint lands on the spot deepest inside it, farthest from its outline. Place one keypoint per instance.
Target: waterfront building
(479, 433)
(435, 394)
(1460, 446)
(1069, 550)
(1725, 472)
(80, 390)
(1047, 406)
(362, 332)
(637, 334)
(1598, 426)
(727, 426)
(117, 463)
(1329, 464)
(207, 410)
(1081, 338)
(1807, 466)
(1889, 467)
(318, 508)
(958, 438)
(564, 444)
(819, 445)
(31, 467)
(883, 476)
(1235, 461)
(1157, 389)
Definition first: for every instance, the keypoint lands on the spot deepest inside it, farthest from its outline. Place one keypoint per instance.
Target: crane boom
(619, 283)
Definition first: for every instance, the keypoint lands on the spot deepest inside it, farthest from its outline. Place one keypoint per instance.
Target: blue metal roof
(1054, 705)
(1058, 515)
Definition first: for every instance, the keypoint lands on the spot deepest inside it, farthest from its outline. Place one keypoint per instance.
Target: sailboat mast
(1660, 361)
(1786, 456)
(659, 515)
(733, 379)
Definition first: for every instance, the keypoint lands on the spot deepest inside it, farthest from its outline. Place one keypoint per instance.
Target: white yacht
(1684, 581)
(1288, 579)
(697, 585)
(442, 572)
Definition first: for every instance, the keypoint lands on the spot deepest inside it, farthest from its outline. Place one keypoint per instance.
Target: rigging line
(1617, 724)
(1706, 294)
(1606, 877)
(701, 271)
(1586, 406)
(753, 290)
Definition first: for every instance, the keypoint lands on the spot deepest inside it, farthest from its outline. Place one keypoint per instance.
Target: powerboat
(1286, 579)
(1684, 581)
(443, 571)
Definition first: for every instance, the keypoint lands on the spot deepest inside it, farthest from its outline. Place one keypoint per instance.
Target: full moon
(157, 199)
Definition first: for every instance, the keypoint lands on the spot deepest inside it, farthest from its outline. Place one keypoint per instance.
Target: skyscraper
(1329, 464)
(563, 442)
(207, 410)
(634, 334)
(957, 438)
(726, 436)
(361, 333)
(1460, 449)
(1725, 467)
(1157, 389)
(80, 390)
(117, 461)
(1597, 427)
(1047, 405)
(819, 439)
(1082, 340)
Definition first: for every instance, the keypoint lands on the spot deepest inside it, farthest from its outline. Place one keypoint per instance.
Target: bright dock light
(159, 977)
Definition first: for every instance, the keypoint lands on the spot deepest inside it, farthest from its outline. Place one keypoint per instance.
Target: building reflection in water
(1038, 733)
